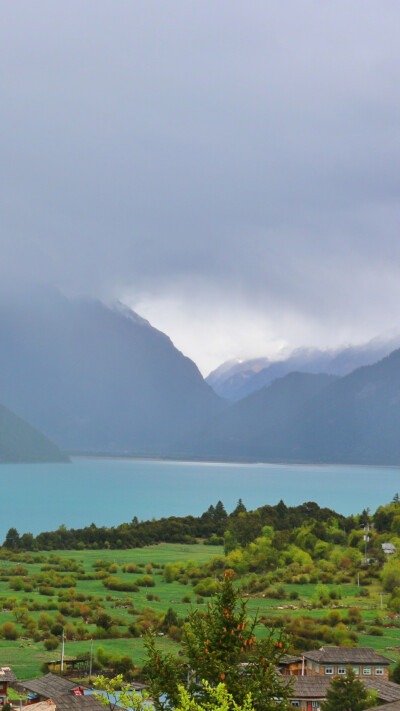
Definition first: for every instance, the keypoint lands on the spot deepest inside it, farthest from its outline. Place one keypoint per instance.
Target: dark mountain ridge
(354, 419)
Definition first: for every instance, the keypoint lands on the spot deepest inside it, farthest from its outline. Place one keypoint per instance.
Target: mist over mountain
(234, 380)
(308, 418)
(20, 442)
(97, 379)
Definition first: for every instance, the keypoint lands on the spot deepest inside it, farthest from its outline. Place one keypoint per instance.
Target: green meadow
(26, 655)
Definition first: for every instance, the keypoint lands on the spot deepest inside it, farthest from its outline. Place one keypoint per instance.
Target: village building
(7, 676)
(333, 661)
(388, 548)
(50, 686)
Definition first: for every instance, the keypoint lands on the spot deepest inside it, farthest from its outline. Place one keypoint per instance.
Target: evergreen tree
(240, 508)
(220, 513)
(12, 539)
(346, 693)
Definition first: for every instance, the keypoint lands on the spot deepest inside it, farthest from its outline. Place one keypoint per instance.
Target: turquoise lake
(40, 497)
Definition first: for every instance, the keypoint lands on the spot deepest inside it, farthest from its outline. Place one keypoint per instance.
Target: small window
(317, 668)
(367, 671)
(342, 670)
(329, 670)
(309, 664)
(356, 671)
(315, 704)
(379, 671)
(295, 703)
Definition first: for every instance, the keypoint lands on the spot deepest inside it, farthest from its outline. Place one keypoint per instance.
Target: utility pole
(91, 658)
(366, 539)
(62, 652)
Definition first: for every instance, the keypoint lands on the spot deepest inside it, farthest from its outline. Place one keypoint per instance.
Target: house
(6, 676)
(388, 548)
(49, 686)
(308, 692)
(333, 661)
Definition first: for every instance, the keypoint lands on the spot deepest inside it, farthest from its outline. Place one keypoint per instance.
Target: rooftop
(347, 655)
(50, 685)
(7, 674)
(317, 686)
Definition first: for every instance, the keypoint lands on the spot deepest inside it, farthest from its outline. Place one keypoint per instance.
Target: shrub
(8, 631)
(376, 631)
(51, 643)
(146, 582)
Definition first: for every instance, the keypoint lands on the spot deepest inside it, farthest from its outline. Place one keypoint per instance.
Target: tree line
(211, 526)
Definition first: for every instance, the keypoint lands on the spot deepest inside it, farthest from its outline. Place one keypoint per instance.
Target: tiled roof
(387, 690)
(347, 655)
(316, 687)
(289, 659)
(309, 686)
(50, 685)
(7, 674)
(395, 706)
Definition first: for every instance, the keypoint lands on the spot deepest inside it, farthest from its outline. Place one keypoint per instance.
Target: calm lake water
(40, 497)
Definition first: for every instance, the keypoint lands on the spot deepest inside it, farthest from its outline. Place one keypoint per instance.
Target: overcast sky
(229, 169)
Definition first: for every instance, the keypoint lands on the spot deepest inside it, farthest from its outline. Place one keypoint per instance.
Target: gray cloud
(189, 155)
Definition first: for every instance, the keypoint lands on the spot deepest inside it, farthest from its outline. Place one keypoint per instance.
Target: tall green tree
(347, 693)
(221, 647)
(12, 539)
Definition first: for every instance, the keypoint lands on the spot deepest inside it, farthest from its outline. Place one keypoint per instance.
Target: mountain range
(99, 379)
(234, 380)
(313, 418)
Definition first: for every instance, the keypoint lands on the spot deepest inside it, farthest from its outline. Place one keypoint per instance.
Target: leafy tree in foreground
(107, 689)
(347, 693)
(219, 700)
(220, 646)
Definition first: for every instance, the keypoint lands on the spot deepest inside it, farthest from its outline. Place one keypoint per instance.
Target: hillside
(257, 426)
(98, 379)
(20, 442)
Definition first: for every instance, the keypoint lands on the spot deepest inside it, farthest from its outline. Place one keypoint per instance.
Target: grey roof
(290, 659)
(7, 674)
(395, 706)
(50, 685)
(387, 690)
(309, 686)
(347, 655)
(317, 686)
(70, 702)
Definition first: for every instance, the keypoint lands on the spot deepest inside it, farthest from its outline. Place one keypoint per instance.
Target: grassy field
(26, 656)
